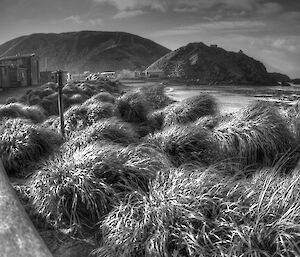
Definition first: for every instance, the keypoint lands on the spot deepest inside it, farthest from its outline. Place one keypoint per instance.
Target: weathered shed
(19, 70)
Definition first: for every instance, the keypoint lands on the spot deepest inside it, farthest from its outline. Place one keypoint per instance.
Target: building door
(13, 77)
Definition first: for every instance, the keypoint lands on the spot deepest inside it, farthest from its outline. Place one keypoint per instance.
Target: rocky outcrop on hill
(87, 50)
(212, 65)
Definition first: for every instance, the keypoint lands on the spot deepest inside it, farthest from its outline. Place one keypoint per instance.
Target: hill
(87, 50)
(212, 65)
(280, 77)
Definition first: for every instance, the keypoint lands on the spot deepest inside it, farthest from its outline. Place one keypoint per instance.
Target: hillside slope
(212, 65)
(87, 50)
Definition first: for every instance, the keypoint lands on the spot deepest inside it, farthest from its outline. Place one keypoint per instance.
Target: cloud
(79, 21)
(123, 5)
(269, 8)
(287, 44)
(95, 22)
(185, 9)
(128, 14)
(74, 19)
(183, 5)
(243, 26)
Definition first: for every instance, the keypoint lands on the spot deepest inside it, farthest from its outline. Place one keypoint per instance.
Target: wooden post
(18, 236)
(60, 102)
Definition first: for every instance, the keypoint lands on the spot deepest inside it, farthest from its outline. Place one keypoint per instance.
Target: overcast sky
(268, 30)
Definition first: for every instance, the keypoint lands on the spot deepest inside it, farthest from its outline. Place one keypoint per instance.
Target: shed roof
(15, 57)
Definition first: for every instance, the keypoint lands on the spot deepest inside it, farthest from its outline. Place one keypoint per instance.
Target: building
(19, 71)
(108, 74)
(154, 73)
(139, 74)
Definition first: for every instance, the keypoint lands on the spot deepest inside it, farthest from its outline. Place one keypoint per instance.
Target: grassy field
(138, 174)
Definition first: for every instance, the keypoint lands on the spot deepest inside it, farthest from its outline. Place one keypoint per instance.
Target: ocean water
(228, 102)
(230, 98)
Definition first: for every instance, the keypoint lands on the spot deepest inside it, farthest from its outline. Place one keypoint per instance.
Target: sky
(268, 30)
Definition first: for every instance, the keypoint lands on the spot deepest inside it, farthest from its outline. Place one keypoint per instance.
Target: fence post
(60, 102)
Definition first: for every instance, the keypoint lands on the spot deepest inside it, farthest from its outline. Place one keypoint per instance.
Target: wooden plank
(18, 237)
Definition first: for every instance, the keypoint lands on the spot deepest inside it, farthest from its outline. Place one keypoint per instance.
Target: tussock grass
(51, 85)
(156, 96)
(79, 117)
(77, 187)
(18, 110)
(184, 144)
(51, 122)
(113, 130)
(100, 110)
(133, 107)
(188, 212)
(292, 117)
(22, 143)
(102, 97)
(71, 89)
(34, 100)
(106, 85)
(190, 109)
(75, 118)
(155, 119)
(11, 100)
(77, 99)
(66, 191)
(87, 89)
(257, 135)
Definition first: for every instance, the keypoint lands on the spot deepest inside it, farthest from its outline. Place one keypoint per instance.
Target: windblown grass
(133, 107)
(190, 109)
(18, 110)
(102, 97)
(79, 117)
(112, 130)
(257, 135)
(188, 213)
(76, 188)
(155, 119)
(184, 144)
(22, 143)
(11, 100)
(156, 96)
(100, 110)
(77, 99)
(50, 103)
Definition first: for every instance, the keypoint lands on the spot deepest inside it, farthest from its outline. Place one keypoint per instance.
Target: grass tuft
(78, 187)
(22, 143)
(257, 135)
(156, 96)
(190, 109)
(18, 110)
(112, 130)
(133, 107)
(188, 212)
(184, 144)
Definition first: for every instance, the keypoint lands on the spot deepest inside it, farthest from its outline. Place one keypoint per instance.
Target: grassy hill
(204, 64)
(87, 50)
